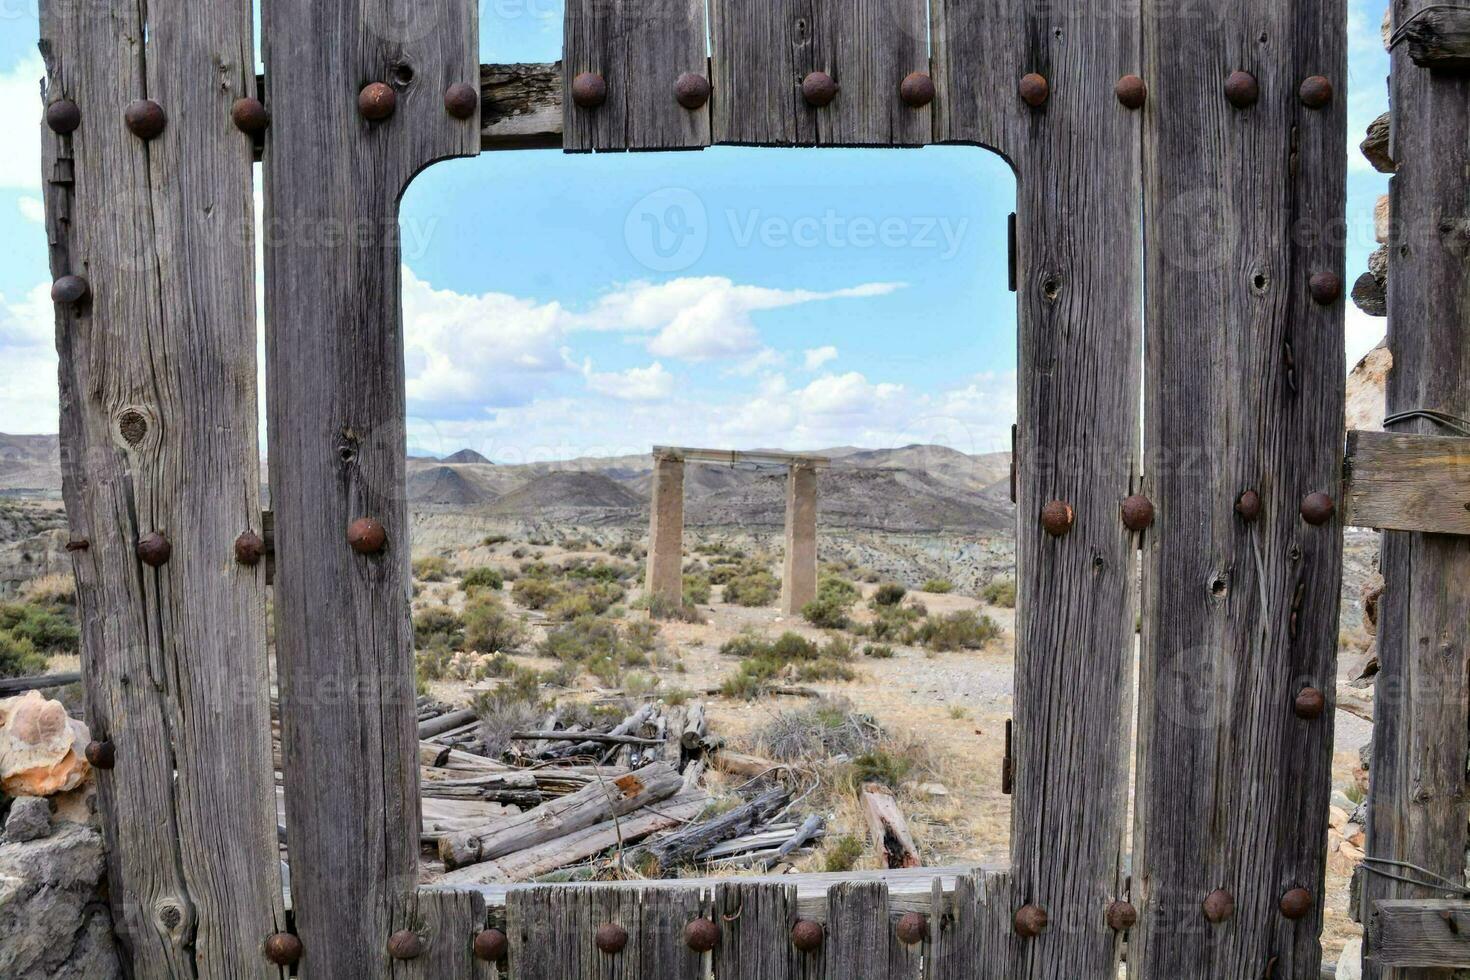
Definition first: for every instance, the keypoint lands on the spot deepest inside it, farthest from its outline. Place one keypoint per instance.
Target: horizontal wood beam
(520, 106)
(1407, 482)
(1439, 38)
(1407, 932)
(733, 456)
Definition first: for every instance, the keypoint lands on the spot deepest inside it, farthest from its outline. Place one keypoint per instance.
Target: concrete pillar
(799, 580)
(665, 577)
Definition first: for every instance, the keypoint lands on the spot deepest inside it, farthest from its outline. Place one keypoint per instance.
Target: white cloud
(20, 120)
(817, 356)
(647, 384)
(28, 399)
(32, 209)
(1363, 333)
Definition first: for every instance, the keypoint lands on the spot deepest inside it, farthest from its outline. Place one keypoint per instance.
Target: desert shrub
(842, 854)
(889, 594)
(642, 634)
(660, 607)
(825, 669)
(1000, 592)
(48, 629)
(489, 627)
(827, 727)
(582, 640)
(518, 553)
(536, 592)
(491, 540)
(483, 577)
(515, 705)
(880, 766)
(826, 613)
(536, 568)
(762, 660)
(752, 588)
(893, 624)
(51, 590)
(838, 590)
(878, 651)
(965, 630)
(438, 622)
(592, 598)
(431, 569)
(19, 657)
(938, 586)
(696, 590)
(432, 663)
(600, 571)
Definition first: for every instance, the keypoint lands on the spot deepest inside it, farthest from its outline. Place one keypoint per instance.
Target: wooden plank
(1407, 482)
(755, 920)
(639, 49)
(954, 933)
(520, 106)
(158, 434)
(857, 931)
(337, 445)
(540, 924)
(1438, 38)
(1244, 392)
(1417, 804)
(1420, 933)
(446, 923)
(663, 913)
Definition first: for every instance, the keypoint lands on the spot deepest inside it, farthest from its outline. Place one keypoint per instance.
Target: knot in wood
(132, 425)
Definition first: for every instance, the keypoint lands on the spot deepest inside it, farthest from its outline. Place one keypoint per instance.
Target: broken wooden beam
(19, 685)
(695, 726)
(1403, 482)
(888, 828)
(446, 722)
(521, 106)
(608, 739)
(686, 845)
(1416, 932)
(1439, 38)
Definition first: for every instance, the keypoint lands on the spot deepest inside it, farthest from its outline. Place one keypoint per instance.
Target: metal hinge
(1013, 462)
(1011, 260)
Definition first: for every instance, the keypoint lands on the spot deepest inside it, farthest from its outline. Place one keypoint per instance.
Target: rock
(1383, 219)
(1369, 295)
(1350, 963)
(1337, 812)
(30, 819)
(1367, 390)
(1365, 753)
(933, 789)
(53, 921)
(41, 749)
(1375, 146)
(1359, 815)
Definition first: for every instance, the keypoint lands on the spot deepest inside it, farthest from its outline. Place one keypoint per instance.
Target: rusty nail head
(702, 935)
(611, 938)
(282, 949)
(1030, 921)
(1122, 916)
(491, 945)
(81, 544)
(1249, 505)
(1316, 92)
(1310, 703)
(1138, 512)
(1296, 903)
(1242, 89)
(249, 116)
(1326, 287)
(1219, 905)
(1317, 509)
(691, 90)
(367, 535)
(69, 290)
(916, 89)
(1132, 91)
(461, 100)
(376, 101)
(102, 755)
(145, 118)
(63, 116)
(589, 90)
(1035, 90)
(807, 935)
(819, 89)
(154, 549)
(913, 928)
(1057, 518)
(249, 548)
(405, 944)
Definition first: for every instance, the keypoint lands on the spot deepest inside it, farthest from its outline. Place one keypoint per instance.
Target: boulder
(42, 751)
(53, 920)
(29, 819)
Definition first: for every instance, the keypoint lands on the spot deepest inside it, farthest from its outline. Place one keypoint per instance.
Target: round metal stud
(611, 938)
(1326, 288)
(1122, 916)
(589, 90)
(1035, 90)
(1219, 905)
(249, 116)
(1242, 89)
(405, 944)
(916, 90)
(69, 290)
(1138, 513)
(807, 935)
(63, 116)
(145, 118)
(701, 935)
(1132, 91)
(491, 945)
(249, 549)
(101, 755)
(1316, 92)
(1296, 903)
(1057, 517)
(154, 549)
(819, 89)
(1317, 509)
(282, 949)
(377, 101)
(1030, 921)
(367, 536)
(461, 100)
(1310, 704)
(1249, 505)
(691, 90)
(913, 928)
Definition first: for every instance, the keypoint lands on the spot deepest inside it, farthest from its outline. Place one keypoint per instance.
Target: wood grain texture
(337, 445)
(639, 47)
(857, 931)
(446, 922)
(1245, 390)
(1420, 933)
(158, 433)
(1439, 38)
(553, 932)
(1079, 339)
(762, 51)
(755, 920)
(1407, 482)
(520, 106)
(1417, 802)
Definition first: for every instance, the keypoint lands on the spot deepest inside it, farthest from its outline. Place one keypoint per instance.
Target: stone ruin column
(665, 578)
(799, 581)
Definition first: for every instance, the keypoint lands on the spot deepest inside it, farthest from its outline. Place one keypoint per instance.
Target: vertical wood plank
(663, 912)
(954, 934)
(1417, 802)
(337, 445)
(158, 434)
(640, 48)
(446, 922)
(755, 922)
(857, 930)
(1245, 392)
(537, 926)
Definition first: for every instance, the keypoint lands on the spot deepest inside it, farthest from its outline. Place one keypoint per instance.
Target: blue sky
(561, 305)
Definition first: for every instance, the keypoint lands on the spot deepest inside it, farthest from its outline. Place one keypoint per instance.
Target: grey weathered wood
(158, 433)
(446, 922)
(639, 47)
(755, 920)
(683, 846)
(17, 685)
(553, 933)
(954, 932)
(1420, 933)
(857, 931)
(1407, 482)
(1244, 392)
(520, 106)
(1438, 39)
(1417, 803)
(662, 915)
(762, 50)
(335, 348)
